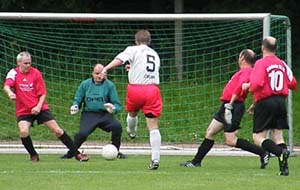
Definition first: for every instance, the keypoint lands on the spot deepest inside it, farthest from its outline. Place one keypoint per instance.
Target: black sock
(27, 142)
(203, 149)
(271, 147)
(247, 146)
(66, 140)
(79, 140)
(116, 136)
(282, 145)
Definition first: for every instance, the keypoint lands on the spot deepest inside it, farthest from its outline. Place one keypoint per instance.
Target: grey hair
(22, 54)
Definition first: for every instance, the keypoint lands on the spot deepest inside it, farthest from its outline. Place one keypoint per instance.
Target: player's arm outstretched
(114, 63)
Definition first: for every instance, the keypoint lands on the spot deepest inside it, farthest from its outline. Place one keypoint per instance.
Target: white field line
(129, 150)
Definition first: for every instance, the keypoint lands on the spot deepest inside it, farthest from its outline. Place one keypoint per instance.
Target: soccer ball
(109, 152)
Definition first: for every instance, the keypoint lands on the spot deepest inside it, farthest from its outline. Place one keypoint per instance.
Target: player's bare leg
(277, 136)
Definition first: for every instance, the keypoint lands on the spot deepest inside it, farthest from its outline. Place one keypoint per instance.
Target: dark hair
(249, 56)
(269, 46)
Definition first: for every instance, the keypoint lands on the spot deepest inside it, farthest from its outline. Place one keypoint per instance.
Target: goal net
(198, 54)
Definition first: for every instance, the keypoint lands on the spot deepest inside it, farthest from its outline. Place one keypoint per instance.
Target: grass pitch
(51, 173)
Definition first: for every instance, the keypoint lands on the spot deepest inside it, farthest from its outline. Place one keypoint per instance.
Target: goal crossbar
(131, 17)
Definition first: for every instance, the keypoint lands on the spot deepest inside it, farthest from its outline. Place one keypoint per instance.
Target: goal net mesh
(65, 52)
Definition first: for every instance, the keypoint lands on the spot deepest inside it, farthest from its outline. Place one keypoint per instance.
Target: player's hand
(245, 86)
(110, 107)
(228, 113)
(12, 96)
(104, 71)
(74, 109)
(36, 110)
(127, 67)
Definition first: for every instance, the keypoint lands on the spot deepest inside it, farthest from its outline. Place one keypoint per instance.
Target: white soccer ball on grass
(109, 152)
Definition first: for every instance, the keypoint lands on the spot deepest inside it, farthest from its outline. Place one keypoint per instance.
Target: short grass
(16, 172)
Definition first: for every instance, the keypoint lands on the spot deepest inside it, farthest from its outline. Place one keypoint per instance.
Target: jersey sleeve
(80, 94)
(114, 98)
(244, 78)
(238, 88)
(40, 85)
(10, 78)
(257, 76)
(237, 80)
(292, 83)
(125, 55)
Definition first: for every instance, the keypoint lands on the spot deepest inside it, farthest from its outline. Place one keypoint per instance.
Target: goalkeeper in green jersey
(98, 98)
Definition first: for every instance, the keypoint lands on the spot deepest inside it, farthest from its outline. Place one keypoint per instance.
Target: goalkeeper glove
(74, 109)
(228, 113)
(110, 108)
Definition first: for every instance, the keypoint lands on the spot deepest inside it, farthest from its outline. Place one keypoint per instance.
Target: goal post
(198, 55)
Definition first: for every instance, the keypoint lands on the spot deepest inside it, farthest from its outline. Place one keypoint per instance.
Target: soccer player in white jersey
(143, 92)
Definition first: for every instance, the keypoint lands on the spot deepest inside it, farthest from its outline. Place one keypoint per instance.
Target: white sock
(155, 142)
(132, 123)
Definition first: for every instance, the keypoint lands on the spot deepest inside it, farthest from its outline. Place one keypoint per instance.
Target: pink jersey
(28, 88)
(271, 76)
(234, 85)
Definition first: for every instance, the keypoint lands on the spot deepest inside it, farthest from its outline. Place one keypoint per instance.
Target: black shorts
(42, 117)
(270, 113)
(237, 115)
(91, 120)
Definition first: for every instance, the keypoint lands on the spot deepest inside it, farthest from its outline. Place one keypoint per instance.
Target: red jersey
(28, 88)
(234, 85)
(271, 76)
